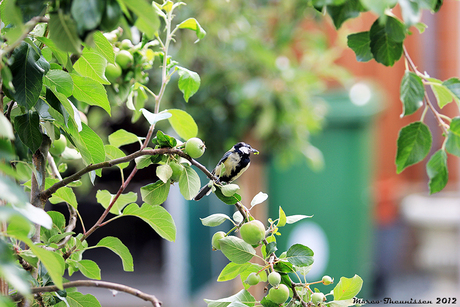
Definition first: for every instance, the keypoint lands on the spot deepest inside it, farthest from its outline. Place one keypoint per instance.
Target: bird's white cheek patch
(244, 150)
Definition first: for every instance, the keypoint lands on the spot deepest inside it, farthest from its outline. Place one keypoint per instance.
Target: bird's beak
(254, 151)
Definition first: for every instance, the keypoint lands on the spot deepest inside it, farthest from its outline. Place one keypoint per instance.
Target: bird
(231, 166)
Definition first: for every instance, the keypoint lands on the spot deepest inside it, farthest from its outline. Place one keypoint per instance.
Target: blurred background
(278, 76)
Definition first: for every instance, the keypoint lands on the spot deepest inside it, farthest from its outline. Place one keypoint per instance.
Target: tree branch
(145, 152)
(98, 284)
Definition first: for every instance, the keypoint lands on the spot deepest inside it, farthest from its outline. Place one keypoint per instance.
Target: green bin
(339, 196)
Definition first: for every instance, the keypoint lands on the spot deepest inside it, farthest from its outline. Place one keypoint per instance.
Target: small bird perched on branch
(232, 165)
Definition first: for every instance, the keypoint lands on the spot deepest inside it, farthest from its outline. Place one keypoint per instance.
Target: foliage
(55, 60)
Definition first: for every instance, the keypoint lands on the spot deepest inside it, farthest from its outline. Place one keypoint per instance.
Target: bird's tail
(203, 191)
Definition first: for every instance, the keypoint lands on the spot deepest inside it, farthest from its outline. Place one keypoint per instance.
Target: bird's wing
(217, 170)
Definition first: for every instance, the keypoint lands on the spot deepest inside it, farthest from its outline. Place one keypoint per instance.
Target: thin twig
(98, 284)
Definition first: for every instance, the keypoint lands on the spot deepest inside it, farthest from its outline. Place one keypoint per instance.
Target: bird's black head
(244, 149)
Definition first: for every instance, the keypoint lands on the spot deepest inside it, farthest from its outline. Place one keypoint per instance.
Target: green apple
(112, 72)
(317, 298)
(124, 58)
(327, 280)
(195, 147)
(274, 278)
(215, 239)
(253, 232)
(253, 279)
(58, 146)
(278, 295)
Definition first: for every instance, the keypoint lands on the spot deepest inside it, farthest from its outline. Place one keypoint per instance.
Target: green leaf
(189, 82)
(112, 152)
(28, 128)
(90, 91)
(94, 145)
(116, 246)
(11, 192)
(453, 137)
(215, 219)
(300, 255)
(63, 32)
(11, 15)
(347, 288)
(437, 171)
(89, 268)
(64, 194)
(6, 129)
(164, 172)
(282, 217)
(259, 198)
(28, 69)
(228, 200)
(164, 140)
(76, 299)
(153, 118)
(103, 46)
(59, 81)
(412, 93)
(442, 93)
(383, 46)
(91, 64)
(184, 124)
(231, 270)
(122, 137)
(414, 143)
(453, 84)
(347, 10)
(189, 183)
(143, 162)
(229, 190)
(395, 29)
(380, 6)
(411, 12)
(236, 249)
(192, 24)
(155, 193)
(61, 56)
(10, 272)
(156, 217)
(295, 218)
(87, 13)
(105, 198)
(148, 21)
(360, 43)
(241, 297)
(53, 262)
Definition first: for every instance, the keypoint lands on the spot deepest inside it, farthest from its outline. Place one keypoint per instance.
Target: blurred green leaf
(453, 137)
(189, 82)
(412, 93)
(87, 13)
(183, 123)
(341, 13)
(347, 288)
(192, 24)
(360, 44)
(384, 47)
(437, 171)
(215, 219)
(63, 32)
(148, 21)
(112, 153)
(442, 93)
(103, 46)
(414, 143)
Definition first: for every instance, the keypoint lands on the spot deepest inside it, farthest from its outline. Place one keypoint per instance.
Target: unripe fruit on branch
(253, 232)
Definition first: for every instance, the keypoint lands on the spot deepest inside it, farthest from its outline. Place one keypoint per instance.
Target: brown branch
(98, 284)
